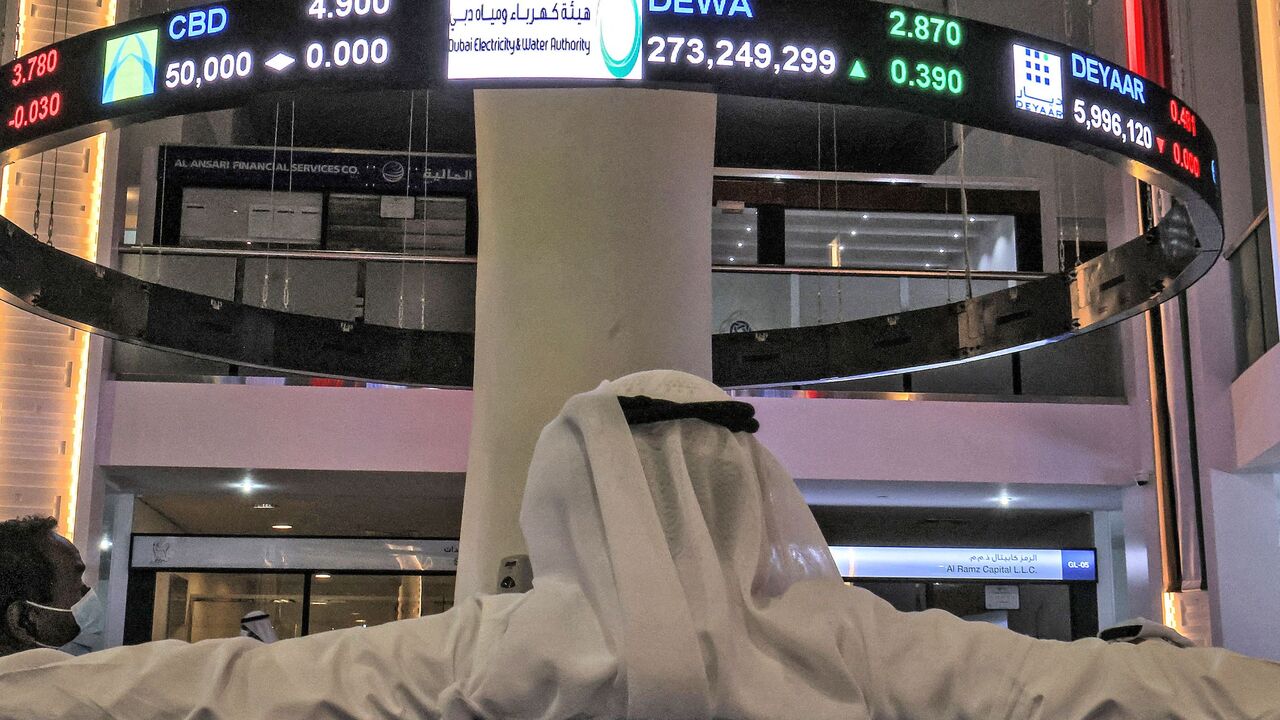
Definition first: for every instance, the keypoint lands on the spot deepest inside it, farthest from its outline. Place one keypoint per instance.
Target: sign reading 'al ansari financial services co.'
(578, 39)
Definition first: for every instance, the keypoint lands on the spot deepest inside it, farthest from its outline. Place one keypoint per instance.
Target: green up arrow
(858, 71)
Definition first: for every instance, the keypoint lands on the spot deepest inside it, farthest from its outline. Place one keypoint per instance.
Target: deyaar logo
(621, 36)
(1037, 82)
(130, 69)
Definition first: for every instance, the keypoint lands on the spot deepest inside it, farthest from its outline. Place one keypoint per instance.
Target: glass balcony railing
(438, 293)
(1253, 289)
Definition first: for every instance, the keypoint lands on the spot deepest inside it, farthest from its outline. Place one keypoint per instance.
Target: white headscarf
(679, 575)
(256, 624)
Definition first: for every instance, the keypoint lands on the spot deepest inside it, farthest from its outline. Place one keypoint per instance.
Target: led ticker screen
(215, 56)
(855, 52)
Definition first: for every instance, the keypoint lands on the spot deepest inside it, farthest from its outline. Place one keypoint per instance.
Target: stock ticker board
(855, 52)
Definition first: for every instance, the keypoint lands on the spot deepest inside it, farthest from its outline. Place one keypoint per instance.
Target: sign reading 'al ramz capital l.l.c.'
(966, 564)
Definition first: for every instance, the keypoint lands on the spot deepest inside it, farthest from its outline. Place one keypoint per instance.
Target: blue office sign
(966, 564)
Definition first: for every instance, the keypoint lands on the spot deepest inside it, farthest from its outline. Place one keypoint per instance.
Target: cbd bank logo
(130, 69)
(621, 37)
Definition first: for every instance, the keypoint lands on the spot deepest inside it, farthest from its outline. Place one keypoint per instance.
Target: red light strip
(1136, 32)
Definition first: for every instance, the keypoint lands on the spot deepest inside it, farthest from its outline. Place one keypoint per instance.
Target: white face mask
(90, 616)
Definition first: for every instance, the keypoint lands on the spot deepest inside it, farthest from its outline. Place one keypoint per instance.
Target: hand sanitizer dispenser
(515, 575)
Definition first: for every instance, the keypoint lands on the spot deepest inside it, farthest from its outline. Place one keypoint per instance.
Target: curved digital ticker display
(853, 51)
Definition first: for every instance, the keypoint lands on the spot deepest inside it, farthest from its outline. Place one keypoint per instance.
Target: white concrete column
(1244, 561)
(595, 262)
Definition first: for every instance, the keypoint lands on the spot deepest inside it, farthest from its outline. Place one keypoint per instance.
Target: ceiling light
(104, 544)
(264, 506)
(319, 602)
(854, 233)
(323, 576)
(942, 251)
(733, 259)
(750, 229)
(866, 216)
(955, 235)
(1004, 500)
(842, 248)
(246, 485)
(973, 219)
(741, 244)
(282, 526)
(283, 601)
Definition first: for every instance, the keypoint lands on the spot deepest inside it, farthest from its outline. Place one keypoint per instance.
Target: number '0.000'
(346, 53)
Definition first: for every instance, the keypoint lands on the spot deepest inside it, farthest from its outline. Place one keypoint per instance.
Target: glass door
(341, 601)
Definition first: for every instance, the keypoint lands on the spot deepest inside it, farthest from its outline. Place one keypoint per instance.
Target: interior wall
(1244, 542)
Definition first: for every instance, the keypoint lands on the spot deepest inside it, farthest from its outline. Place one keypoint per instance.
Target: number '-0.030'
(42, 108)
(927, 76)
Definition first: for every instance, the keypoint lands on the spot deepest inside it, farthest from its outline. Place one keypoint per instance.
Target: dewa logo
(621, 35)
(130, 70)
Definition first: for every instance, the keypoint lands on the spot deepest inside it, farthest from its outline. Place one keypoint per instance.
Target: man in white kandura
(678, 575)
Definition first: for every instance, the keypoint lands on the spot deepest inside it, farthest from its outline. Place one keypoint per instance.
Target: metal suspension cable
(835, 161)
(818, 283)
(426, 160)
(964, 219)
(271, 232)
(293, 129)
(404, 223)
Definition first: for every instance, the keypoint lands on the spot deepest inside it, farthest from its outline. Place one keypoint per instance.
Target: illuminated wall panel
(1267, 14)
(43, 366)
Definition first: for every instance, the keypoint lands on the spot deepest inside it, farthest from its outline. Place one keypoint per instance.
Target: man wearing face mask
(44, 603)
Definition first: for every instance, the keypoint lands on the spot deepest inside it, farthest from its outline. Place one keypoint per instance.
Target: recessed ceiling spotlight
(973, 219)
(264, 506)
(955, 235)
(853, 233)
(732, 259)
(282, 526)
(742, 244)
(1004, 500)
(246, 485)
(866, 216)
(750, 229)
(104, 544)
(842, 248)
